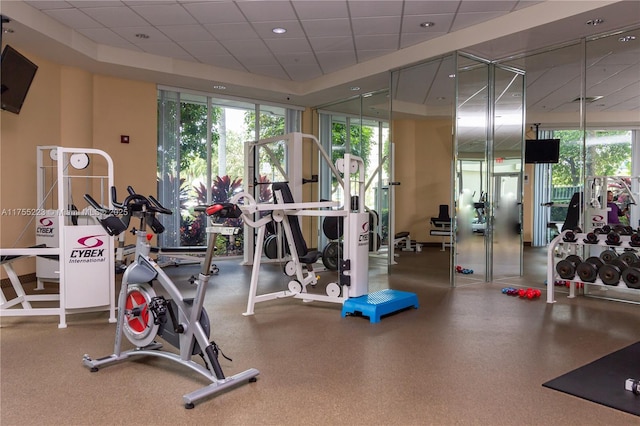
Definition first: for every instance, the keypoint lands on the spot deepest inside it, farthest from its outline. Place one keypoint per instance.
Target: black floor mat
(603, 380)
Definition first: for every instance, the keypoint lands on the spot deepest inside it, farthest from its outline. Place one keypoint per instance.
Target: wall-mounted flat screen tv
(16, 76)
(542, 151)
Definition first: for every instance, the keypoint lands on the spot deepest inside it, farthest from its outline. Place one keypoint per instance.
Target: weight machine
(285, 211)
(596, 197)
(70, 245)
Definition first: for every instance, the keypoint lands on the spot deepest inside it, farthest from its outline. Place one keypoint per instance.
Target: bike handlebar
(133, 202)
(93, 203)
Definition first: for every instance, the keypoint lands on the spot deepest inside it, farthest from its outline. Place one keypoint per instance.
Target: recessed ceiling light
(354, 88)
(427, 24)
(452, 76)
(367, 95)
(627, 38)
(279, 30)
(220, 87)
(440, 98)
(595, 22)
(7, 30)
(142, 36)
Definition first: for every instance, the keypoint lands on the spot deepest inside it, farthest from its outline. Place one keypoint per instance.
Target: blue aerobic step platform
(379, 303)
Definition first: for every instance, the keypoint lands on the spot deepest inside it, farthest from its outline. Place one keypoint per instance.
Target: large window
(368, 139)
(608, 153)
(201, 158)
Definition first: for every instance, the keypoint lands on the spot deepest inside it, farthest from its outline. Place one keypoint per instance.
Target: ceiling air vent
(587, 99)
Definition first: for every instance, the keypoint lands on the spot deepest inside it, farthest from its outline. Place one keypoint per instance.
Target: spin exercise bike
(143, 315)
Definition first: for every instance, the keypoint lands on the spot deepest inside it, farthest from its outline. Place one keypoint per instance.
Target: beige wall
(423, 155)
(70, 107)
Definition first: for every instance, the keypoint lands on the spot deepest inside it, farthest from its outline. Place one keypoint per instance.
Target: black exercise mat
(602, 381)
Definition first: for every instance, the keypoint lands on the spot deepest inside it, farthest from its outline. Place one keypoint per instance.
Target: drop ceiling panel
(487, 6)
(129, 33)
(165, 14)
(319, 10)
(376, 25)
(632, 104)
(96, 3)
(299, 71)
(203, 49)
(289, 46)
(376, 42)
(210, 12)
(246, 48)
(74, 18)
(50, 4)
(116, 16)
(267, 10)
(361, 8)
(297, 59)
(185, 33)
(327, 27)
(332, 44)
(232, 31)
(430, 7)
(336, 60)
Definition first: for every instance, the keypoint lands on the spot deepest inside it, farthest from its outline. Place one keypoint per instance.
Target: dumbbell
(619, 229)
(629, 257)
(631, 276)
(608, 255)
(611, 272)
(635, 239)
(566, 268)
(569, 237)
(588, 270)
(592, 238)
(613, 238)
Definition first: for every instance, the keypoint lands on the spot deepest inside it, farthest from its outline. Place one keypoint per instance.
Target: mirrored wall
(470, 114)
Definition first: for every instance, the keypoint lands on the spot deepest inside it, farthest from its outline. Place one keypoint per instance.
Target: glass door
(489, 134)
(507, 171)
(471, 149)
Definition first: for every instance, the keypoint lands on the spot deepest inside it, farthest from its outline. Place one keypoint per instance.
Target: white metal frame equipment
(79, 256)
(353, 273)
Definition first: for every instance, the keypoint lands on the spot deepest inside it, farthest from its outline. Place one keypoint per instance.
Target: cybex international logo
(597, 220)
(45, 227)
(363, 238)
(89, 250)
(46, 221)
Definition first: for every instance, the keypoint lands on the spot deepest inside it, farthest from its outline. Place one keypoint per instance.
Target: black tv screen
(16, 76)
(542, 151)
